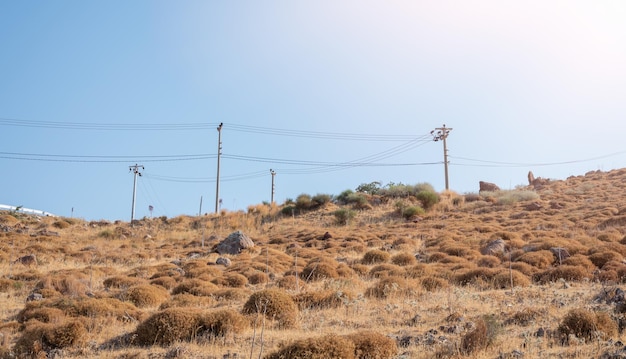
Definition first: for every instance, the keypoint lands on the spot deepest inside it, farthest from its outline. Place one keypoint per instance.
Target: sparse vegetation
(424, 288)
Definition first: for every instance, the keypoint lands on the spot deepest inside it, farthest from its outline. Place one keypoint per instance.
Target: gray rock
(223, 261)
(234, 243)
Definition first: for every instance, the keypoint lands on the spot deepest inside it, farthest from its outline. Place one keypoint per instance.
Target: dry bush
(43, 314)
(257, 277)
(6, 285)
(231, 294)
(475, 276)
(581, 261)
(524, 317)
(403, 259)
(289, 282)
(540, 259)
(601, 258)
(420, 270)
(460, 250)
(87, 307)
(566, 272)
(319, 269)
(222, 322)
(42, 337)
(389, 287)
(375, 256)
(325, 299)
(488, 261)
(437, 257)
(373, 345)
(344, 271)
(186, 324)
(234, 280)
(187, 300)
(196, 287)
(328, 346)
(476, 339)
(522, 267)
(432, 283)
(275, 304)
(502, 279)
(122, 282)
(386, 270)
(165, 282)
(586, 324)
(145, 295)
(360, 269)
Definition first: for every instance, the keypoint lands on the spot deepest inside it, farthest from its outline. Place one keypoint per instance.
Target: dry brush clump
(145, 295)
(359, 345)
(188, 324)
(274, 304)
(375, 256)
(39, 338)
(324, 299)
(587, 325)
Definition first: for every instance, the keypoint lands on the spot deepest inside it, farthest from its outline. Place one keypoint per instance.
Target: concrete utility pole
(273, 187)
(219, 154)
(135, 170)
(441, 133)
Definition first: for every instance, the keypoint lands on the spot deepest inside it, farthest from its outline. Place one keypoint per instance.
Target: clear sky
(329, 94)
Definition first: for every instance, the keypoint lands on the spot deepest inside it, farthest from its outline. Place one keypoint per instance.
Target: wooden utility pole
(441, 133)
(219, 154)
(135, 170)
(273, 186)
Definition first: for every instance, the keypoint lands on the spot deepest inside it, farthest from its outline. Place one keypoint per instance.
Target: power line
(202, 126)
(487, 163)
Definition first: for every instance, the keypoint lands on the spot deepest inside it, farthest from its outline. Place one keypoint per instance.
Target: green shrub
(344, 196)
(320, 199)
(344, 215)
(304, 201)
(428, 199)
(288, 210)
(412, 211)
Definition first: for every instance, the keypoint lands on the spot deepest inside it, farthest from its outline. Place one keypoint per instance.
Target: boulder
(493, 248)
(223, 261)
(234, 243)
(487, 186)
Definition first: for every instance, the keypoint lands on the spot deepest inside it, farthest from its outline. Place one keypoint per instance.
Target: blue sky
(329, 94)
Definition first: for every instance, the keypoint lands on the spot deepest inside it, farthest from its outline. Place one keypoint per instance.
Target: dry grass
(422, 288)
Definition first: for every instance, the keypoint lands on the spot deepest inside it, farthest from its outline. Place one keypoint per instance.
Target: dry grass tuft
(328, 346)
(390, 287)
(476, 339)
(319, 269)
(404, 259)
(39, 338)
(373, 345)
(186, 324)
(540, 259)
(587, 325)
(234, 280)
(324, 299)
(196, 287)
(275, 304)
(566, 272)
(145, 295)
(375, 256)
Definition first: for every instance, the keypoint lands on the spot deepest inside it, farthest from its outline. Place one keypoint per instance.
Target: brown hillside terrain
(532, 272)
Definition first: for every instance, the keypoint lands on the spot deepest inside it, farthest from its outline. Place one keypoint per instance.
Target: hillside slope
(533, 272)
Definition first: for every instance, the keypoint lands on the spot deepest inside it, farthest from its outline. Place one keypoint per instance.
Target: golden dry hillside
(534, 272)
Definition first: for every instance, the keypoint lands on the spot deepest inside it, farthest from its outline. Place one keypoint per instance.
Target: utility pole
(273, 186)
(441, 133)
(219, 154)
(135, 170)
